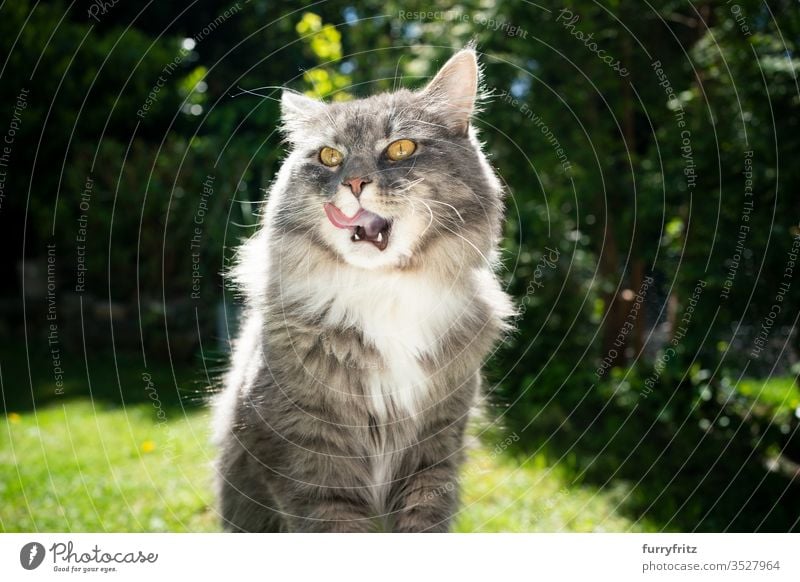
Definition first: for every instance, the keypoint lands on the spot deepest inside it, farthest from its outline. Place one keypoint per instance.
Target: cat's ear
(454, 89)
(297, 109)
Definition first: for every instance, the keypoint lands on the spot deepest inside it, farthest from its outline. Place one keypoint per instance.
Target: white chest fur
(403, 315)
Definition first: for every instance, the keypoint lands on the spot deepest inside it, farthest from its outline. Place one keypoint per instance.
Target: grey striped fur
(356, 369)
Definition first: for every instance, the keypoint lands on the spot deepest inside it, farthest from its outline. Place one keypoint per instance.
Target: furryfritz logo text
(31, 555)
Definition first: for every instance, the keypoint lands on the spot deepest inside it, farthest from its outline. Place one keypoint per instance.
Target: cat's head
(385, 181)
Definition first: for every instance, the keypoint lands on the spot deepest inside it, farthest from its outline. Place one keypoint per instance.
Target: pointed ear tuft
(454, 89)
(296, 109)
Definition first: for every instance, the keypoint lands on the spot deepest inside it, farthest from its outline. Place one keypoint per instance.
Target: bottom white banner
(388, 557)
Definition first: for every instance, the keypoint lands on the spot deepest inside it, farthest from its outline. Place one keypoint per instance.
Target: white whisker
(444, 203)
(470, 243)
(410, 185)
(411, 199)
(430, 211)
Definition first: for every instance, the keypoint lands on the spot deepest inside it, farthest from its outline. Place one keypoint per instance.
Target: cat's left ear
(454, 89)
(297, 109)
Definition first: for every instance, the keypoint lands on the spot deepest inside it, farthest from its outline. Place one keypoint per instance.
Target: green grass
(102, 460)
(80, 466)
(501, 494)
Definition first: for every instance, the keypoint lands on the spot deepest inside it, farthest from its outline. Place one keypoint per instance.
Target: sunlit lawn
(79, 467)
(83, 467)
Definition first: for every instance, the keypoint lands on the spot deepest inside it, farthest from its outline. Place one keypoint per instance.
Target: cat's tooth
(380, 237)
(355, 236)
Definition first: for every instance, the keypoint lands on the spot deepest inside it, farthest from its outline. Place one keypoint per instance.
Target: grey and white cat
(371, 305)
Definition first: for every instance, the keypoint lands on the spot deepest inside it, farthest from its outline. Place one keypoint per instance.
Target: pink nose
(355, 184)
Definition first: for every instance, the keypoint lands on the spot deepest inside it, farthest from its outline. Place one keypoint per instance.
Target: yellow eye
(400, 149)
(330, 157)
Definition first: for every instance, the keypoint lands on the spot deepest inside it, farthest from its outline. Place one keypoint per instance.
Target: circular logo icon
(31, 555)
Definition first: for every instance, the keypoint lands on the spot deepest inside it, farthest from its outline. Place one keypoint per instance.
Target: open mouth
(364, 226)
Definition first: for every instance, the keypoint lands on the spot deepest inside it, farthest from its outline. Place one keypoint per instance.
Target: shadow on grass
(729, 475)
(736, 473)
(31, 380)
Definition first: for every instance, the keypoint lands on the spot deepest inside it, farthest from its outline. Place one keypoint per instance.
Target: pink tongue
(369, 221)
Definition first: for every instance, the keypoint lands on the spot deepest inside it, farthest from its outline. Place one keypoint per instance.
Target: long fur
(355, 370)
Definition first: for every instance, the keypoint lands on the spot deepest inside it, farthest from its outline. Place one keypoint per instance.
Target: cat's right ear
(454, 89)
(296, 110)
